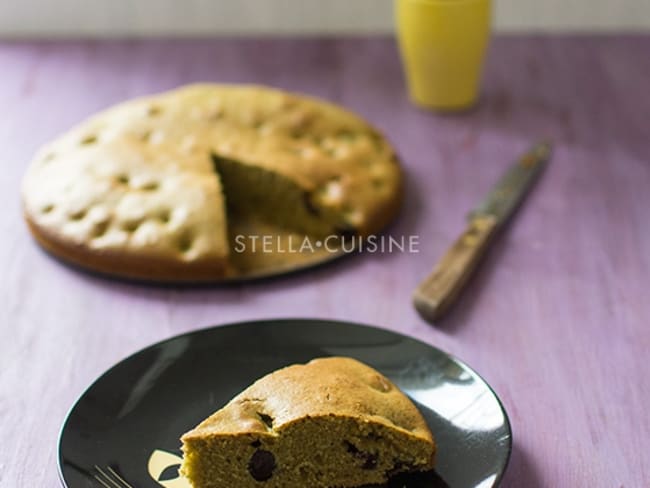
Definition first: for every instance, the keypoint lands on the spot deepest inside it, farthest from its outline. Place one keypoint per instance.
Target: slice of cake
(330, 423)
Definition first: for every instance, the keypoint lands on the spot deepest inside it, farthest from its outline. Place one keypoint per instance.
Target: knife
(437, 293)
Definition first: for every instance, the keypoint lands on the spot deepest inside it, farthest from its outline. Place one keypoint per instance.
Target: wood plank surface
(557, 319)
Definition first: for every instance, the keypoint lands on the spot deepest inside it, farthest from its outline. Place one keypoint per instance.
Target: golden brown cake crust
(133, 190)
(338, 386)
(141, 268)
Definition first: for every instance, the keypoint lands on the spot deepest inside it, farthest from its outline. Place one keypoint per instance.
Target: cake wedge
(331, 423)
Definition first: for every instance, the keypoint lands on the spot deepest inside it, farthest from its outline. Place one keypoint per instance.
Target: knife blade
(437, 293)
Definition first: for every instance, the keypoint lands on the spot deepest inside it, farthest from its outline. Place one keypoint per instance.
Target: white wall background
(105, 18)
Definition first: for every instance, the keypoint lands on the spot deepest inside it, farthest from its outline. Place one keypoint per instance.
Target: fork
(109, 478)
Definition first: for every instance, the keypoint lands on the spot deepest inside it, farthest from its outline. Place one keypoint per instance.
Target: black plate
(124, 429)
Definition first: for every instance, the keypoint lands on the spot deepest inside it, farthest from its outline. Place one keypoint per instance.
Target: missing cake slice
(331, 423)
(277, 199)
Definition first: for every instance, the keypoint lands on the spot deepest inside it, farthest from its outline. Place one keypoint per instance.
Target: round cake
(156, 188)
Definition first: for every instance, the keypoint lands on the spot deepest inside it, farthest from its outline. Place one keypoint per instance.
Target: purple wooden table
(557, 319)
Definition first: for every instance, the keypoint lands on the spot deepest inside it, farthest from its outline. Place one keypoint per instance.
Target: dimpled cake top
(325, 387)
(137, 181)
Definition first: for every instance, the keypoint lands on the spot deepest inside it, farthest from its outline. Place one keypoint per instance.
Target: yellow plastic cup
(443, 43)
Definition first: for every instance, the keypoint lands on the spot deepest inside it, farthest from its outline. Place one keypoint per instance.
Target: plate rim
(311, 321)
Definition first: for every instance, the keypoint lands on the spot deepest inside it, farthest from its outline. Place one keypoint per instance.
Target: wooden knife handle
(440, 289)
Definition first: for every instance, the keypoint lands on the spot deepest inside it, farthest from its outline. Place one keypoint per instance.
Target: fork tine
(99, 478)
(119, 477)
(107, 481)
